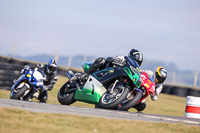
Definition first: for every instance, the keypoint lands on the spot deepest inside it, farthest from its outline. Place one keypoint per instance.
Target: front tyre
(97, 106)
(65, 96)
(19, 93)
(112, 100)
(130, 101)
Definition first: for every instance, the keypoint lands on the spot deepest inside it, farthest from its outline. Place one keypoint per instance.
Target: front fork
(112, 89)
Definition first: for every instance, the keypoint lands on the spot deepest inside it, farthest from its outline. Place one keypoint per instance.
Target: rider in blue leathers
(51, 75)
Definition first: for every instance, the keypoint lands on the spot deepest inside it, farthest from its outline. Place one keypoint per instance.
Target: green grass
(19, 121)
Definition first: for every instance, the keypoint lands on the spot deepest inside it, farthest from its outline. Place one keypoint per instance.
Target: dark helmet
(160, 75)
(52, 65)
(136, 55)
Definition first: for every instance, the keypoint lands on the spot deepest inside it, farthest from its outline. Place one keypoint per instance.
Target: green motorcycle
(105, 88)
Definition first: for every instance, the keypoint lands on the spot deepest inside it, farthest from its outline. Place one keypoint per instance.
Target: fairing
(18, 82)
(98, 81)
(91, 91)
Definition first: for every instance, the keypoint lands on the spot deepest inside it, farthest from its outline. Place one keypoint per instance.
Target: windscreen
(133, 62)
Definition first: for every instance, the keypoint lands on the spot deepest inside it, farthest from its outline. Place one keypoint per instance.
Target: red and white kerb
(192, 107)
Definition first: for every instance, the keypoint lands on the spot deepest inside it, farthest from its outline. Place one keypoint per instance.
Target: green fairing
(85, 66)
(90, 93)
(138, 84)
(86, 95)
(128, 71)
(134, 77)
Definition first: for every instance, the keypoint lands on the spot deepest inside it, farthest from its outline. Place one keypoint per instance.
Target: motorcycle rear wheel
(122, 92)
(19, 94)
(130, 103)
(65, 98)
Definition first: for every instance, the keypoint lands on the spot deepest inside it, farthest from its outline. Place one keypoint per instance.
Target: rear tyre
(111, 101)
(65, 97)
(19, 93)
(130, 102)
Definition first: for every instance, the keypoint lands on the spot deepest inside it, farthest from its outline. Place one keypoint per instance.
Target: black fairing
(109, 74)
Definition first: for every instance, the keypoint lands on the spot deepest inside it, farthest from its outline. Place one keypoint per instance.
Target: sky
(163, 30)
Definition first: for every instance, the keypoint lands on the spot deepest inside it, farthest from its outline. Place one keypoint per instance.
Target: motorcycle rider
(51, 75)
(158, 77)
(101, 62)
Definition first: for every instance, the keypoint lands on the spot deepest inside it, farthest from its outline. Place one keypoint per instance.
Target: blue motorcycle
(30, 81)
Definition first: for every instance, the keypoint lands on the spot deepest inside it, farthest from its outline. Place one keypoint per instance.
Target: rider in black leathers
(101, 62)
(134, 54)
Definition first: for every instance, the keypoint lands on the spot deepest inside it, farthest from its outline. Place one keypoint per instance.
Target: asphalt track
(102, 113)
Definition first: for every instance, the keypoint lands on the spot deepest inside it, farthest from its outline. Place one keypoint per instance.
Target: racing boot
(43, 96)
(140, 107)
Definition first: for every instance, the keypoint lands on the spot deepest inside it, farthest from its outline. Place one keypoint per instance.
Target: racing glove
(157, 92)
(26, 67)
(118, 60)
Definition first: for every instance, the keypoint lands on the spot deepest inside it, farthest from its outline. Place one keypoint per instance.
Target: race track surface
(102, 113)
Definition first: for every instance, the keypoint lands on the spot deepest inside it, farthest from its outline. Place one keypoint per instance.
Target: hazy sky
(163, 30)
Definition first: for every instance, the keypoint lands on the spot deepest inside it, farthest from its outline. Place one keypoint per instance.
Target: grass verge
(19, 121)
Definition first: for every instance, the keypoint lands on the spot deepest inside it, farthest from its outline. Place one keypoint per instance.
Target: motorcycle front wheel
(130, 101)
(65, 96)
(19, 93)
(112, 100)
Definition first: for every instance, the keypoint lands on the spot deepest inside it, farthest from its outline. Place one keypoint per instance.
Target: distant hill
(181, 77)
(63, 60)
(78, 59)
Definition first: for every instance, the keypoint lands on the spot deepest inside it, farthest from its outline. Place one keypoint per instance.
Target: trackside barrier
(182, 91)
(192, 107)
(10, 69)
